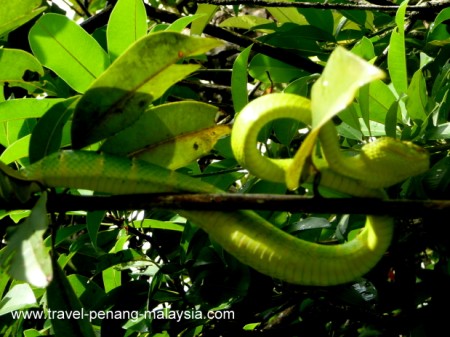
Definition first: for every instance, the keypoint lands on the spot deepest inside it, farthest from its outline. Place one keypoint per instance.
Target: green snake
(244, 234)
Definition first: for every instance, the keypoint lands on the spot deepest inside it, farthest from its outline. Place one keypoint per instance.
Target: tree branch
(234, 201)
(428, 6)
(286, 56)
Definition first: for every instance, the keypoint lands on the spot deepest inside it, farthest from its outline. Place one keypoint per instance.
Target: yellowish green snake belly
(244, 234)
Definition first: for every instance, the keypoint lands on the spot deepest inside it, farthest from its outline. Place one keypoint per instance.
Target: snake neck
(251, 120)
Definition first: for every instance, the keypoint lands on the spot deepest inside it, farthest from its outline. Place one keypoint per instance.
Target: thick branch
(231, 202)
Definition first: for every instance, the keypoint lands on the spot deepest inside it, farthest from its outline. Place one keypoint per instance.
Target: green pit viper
(244, 234)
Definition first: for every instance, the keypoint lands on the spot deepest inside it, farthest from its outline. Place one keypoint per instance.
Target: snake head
(393, 161)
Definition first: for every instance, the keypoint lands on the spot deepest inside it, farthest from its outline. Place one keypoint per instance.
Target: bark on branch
(232, 202)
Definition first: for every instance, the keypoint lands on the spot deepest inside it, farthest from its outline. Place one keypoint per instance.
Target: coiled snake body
(246, 235)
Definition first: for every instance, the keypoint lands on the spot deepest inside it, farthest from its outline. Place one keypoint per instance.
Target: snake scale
(244, 234)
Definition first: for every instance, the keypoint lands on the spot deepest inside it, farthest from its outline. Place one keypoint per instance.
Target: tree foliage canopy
(162, 80)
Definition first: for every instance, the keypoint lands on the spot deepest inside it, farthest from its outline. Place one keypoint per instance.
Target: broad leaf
(48, 133)
(25, 257)
(64, 47)
(126, 25)
(239, 80)
(16, 150)
(397, 53)
(183, 22)
(19, 297)
(269, 70)
(207, 11)
(343, 75)
(245, 22)
(417, 98)
(25, 108)
(13, 14)
(164, 136)
(13, 65)
(61, 298)
(139, 76)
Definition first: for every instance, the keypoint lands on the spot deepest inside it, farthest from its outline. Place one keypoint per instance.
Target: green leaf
(344, 74)
(302, 38)
(158, 224)
(14, 14)
(270, 70)
(397, 52)
(322, 19)
(121, 257)
(25, 257)
(64, 47)
(89, 293)
(165, 137)
(417, 97)
(17, 150)
(440, 18)
(112, 278)
(139, 76)
(207, 11)
(15, 109)
(13, 65)
(381, 98)
(390, 124)
(363, 100)
(245, 22)
(47, 134)
(288, 14)
(364, 48)
(181, 23)
(93, 222)
(126, 25)
(19, 297)
(239, 80)
(61, 298)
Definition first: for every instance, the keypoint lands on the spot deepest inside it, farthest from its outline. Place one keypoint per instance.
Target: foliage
(150, 91)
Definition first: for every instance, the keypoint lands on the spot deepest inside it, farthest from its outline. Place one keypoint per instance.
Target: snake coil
(244, 234)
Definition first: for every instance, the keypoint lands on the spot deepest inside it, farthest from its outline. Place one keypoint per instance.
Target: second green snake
(244, 234)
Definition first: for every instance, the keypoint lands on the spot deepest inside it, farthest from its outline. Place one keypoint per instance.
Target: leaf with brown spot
(171, 135)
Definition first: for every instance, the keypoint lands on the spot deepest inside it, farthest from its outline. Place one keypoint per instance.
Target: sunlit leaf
(207, 11)
(343, 75)
(64, 47)
(25, 108)
(126, 25)
(62, 298)
(239, 80)
(165, 137)
(183, 22)
(139, 76)
(397, 53)
(14, 65)
(19, 297)
(244, 21)
(417, 97)
(17, 150)
(25, 257)
(13, 14)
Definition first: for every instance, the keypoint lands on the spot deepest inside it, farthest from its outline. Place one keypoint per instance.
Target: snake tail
(249, 237)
